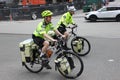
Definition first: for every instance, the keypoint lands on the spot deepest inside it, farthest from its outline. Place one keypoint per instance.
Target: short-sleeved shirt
(66, 19)
(43, 28)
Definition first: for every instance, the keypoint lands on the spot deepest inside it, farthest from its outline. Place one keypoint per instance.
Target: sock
(41, 54)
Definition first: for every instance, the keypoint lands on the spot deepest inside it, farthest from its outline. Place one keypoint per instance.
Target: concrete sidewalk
(115, 3)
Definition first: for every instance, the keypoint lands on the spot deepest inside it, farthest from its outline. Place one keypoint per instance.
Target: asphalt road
(102, 63)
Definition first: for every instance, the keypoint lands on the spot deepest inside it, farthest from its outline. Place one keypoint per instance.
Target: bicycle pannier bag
(26, 49)
(78, 45)
(63, 65)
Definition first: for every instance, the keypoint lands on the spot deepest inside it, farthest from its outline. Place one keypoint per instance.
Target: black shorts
(38, 40)
(62, 29)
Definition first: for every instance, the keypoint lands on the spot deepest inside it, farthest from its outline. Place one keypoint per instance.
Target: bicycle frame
(56, 48)
(72, 32)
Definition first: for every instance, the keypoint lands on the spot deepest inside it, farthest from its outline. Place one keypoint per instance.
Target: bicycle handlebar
(58, 42)
(74, 26)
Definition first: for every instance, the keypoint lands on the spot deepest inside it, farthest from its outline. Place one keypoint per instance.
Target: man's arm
(48, 37)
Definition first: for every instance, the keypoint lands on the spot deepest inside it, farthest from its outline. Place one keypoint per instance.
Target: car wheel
(33, 16)
(93, 18)
(118, 18)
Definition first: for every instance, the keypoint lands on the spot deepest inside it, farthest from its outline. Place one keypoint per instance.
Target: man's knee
(46, 43)
(66, 34)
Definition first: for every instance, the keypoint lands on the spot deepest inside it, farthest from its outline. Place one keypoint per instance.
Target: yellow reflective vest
(43, 28)
(66, 19)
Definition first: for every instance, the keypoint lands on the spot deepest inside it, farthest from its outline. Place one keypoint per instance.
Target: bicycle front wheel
(72, 70)
(80, 45)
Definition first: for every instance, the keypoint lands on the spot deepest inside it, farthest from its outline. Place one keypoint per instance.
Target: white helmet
(71, 8)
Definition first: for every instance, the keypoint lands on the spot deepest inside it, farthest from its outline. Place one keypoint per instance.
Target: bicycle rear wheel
(80, 45)
(35, 65)
(75, 63)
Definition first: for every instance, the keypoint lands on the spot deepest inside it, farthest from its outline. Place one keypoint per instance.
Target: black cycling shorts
(38, 40)
(62, 29)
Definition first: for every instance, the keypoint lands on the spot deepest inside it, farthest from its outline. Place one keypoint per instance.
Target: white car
(106, 12)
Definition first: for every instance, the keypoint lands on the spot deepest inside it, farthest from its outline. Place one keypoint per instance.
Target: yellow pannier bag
(63, 65)
(78, 45)
(26, 50)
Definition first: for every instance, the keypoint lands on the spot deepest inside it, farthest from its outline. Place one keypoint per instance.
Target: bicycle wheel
(80, 45)
(75, 67)
(35, 65)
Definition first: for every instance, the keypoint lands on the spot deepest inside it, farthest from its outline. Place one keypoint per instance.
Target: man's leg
(66, 40)
(44, 55)
(45, 47)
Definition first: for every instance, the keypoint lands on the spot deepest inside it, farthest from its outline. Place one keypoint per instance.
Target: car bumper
(86, 18)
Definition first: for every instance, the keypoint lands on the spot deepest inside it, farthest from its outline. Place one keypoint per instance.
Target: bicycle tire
(35, 64)
(86, 47)
(78, 63)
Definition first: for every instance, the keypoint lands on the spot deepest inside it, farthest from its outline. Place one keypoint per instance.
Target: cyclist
(40, 34)
(64, 21)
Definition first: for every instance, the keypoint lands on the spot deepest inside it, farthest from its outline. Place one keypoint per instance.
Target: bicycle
(79, 45)
(69, 64)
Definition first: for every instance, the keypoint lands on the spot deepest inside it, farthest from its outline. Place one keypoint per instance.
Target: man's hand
(54, 40)
(63, 36)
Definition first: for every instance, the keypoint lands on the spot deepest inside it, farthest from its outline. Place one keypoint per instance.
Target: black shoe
(48, 66)
(45, 62)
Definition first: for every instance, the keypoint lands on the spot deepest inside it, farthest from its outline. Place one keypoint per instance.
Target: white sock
(41, 54)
